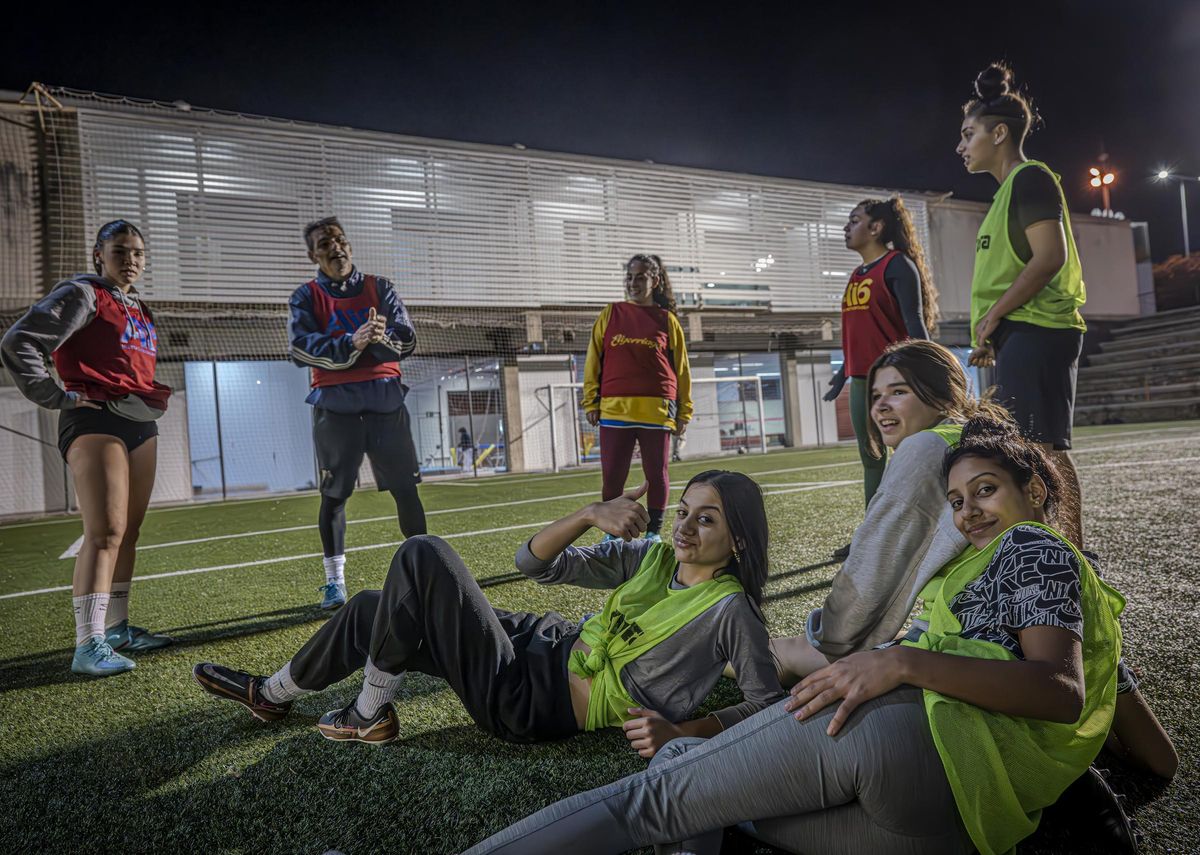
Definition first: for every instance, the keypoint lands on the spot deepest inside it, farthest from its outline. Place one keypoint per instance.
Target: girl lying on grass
(949, 742)
(678, 613)
(919, 400)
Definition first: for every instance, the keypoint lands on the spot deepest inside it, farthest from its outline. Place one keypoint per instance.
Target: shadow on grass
(506, 579)
(87, 797)
(787, 574)
(53, 667)
(797, 592)
(213, 781)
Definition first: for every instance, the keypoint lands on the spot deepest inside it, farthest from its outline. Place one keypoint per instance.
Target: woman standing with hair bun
(637, 385)
(102, 340)
(1027, 288)
(889, 298)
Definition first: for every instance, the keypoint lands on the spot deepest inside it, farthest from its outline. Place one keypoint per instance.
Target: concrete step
(1141, 411)
(1164, 376)
(1159, 320)
(1133, 342)
(1149, 352)
(1135, 394)
(1142, 365)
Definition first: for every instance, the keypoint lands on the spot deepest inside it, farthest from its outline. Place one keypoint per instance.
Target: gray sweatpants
(878, 787)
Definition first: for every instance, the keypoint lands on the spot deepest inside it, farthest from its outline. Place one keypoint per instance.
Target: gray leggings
(878, 787)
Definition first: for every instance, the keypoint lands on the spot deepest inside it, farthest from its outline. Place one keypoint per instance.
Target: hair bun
(986, 427)
(994, 81)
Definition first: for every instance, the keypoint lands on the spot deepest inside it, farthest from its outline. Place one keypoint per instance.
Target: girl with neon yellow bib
(1027, 287)
(678, 613)
(951, 743)
(919, 400)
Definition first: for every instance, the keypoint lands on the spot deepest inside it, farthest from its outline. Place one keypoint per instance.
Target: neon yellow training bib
(997, 266)
(640, 614)
(1004, 769)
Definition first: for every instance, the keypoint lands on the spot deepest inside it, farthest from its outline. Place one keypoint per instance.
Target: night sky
(861, 93)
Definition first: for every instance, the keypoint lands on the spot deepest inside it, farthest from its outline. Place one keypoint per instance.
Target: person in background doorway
(466, 450)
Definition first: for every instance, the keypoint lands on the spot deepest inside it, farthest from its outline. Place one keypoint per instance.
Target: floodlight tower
(1102, 179)
(1165, 175)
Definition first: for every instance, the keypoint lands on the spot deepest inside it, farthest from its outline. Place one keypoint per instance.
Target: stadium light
(1166, 175)
(1101, 179)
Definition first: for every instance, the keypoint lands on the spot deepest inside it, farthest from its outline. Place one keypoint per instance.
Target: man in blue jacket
(352, 330)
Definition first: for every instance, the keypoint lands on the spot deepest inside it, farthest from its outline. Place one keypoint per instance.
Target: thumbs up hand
(622, 517)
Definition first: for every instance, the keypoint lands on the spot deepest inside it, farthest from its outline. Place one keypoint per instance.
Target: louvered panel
(20, 215)
(223, 201)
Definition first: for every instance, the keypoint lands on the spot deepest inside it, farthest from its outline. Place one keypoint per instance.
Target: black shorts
(1036, 369)
(84, 420)
(342, 439)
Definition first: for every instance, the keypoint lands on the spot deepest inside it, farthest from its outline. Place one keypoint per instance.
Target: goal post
(717, 428)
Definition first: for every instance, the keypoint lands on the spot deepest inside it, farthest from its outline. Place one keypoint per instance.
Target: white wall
(173, 480)
(1106, 253)
(704, 431)
(1109, 266)
(535, 374)
(818, 417)
(21, 458)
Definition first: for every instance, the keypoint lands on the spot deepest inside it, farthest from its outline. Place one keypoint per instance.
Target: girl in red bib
(637, 386)
(104, 345)
(888, 299)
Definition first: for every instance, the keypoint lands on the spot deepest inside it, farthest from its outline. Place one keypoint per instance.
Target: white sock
(118, 604)
(89, 616)
(279, 688)
(379, 687)
(335, 569)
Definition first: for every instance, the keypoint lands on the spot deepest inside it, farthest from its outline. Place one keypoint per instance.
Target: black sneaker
(245, 689)
(347, 724)
(1090, 803)
(841, 553)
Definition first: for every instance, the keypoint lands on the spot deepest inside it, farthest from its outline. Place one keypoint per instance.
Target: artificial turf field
(147, 763)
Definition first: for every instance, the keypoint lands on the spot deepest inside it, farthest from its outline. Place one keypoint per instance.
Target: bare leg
(796, 659)
(1070, 518)
(100, 466)
(143, 463)
(1138, 736)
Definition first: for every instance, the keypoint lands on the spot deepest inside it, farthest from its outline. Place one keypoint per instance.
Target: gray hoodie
(26, 347)
(907, 537)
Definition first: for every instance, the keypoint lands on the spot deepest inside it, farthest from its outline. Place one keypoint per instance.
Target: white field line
(304, 557)
(73, 549)
(818, 486)
(311, 555)
(1108, 436)
(285, 529)
(480, 482)
(1171, 460)
(1074, 452)
(767, 492)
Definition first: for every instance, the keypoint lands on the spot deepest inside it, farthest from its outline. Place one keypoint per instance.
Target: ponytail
(900, 233)
(661, 291)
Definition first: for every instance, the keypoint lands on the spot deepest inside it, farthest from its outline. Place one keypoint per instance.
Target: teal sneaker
(608, 537)
(134, 639)
(653, 537)
(333, 595)
(97, 658)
